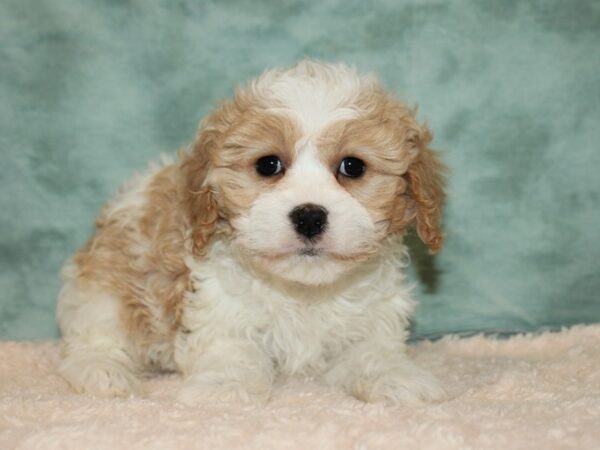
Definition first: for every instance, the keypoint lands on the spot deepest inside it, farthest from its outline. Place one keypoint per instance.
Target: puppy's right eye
(267, 166)
(352, 167)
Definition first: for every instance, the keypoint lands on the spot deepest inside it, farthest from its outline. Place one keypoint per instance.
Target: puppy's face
(312, 168)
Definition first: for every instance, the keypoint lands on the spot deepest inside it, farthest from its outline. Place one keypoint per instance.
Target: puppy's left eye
(352, 167)
(267, 166)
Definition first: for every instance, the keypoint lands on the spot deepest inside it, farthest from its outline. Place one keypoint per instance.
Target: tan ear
(199, 197)
(425, 187)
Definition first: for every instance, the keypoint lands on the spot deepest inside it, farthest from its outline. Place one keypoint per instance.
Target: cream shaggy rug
(528, 392)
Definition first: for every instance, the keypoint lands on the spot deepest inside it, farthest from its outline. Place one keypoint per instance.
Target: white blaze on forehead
(315, 94)
(316, 111)
(309, 176)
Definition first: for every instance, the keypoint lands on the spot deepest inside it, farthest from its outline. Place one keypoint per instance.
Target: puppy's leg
(222, 369)
(372, 372)
(96, 353)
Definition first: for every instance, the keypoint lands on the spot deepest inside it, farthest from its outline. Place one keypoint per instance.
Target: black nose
(309, 220)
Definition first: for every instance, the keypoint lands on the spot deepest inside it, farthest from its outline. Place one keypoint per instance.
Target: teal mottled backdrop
(90, 91)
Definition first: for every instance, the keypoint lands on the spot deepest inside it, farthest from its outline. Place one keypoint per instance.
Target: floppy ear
(425, 179)
(199, 198)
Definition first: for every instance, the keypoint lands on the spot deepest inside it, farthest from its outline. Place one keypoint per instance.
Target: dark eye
(267, 166)
(352, 167)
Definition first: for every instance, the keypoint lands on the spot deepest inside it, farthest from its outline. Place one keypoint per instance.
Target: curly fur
(195, 265)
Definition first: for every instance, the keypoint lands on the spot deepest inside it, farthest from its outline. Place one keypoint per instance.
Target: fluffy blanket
(529, 391)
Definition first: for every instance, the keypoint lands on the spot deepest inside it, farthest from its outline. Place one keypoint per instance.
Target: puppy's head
(311, 168)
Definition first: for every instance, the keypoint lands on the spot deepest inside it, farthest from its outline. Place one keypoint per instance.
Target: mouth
(310, 251)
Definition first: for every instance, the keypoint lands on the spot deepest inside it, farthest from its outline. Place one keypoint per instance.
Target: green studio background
(91, 91)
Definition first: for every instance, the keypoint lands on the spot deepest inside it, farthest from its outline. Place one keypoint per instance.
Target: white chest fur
(301, 329)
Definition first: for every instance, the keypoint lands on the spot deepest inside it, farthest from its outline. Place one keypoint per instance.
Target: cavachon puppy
(271, 246)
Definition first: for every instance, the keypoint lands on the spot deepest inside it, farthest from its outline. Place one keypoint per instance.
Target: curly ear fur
(425, 184)
(203, 206)
(199, 197)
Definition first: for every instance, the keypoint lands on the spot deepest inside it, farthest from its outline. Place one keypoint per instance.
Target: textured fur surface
(197, 267)
(522, 393)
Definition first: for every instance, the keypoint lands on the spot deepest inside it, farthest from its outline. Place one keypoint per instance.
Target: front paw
(408, 384)
(199, 390)
(100, 376)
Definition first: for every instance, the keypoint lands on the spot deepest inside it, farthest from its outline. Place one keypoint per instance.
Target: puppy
(272, 246)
